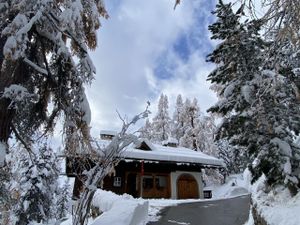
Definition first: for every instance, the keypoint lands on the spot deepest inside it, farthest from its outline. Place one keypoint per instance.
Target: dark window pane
(147, 182)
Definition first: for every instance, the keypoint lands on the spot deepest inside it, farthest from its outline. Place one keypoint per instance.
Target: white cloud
(130, 44)
(189, 80)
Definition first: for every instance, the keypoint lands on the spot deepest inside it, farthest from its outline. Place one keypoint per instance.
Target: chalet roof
(144, 141)
(172, 154)
(159, 153)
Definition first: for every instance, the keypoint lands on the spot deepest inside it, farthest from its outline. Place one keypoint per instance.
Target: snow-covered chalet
(149, 170)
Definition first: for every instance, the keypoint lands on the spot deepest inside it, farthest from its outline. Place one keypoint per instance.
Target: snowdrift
(119, 209)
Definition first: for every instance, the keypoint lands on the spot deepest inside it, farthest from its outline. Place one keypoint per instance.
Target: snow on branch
(142, 115)
(36, 67)
(17, 31)
(17, 93)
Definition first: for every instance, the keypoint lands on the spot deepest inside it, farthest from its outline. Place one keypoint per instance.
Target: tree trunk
(83, 206)
(6, 116)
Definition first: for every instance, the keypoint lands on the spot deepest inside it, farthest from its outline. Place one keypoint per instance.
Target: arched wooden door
(187, 187)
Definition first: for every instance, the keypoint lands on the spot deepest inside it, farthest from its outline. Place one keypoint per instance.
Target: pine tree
(191, 114)
(146, 130)
(205, 133)
(37, 181)
(257, 100)
(235, 72)
(278, 122)
(161, 122)
(63, 201)
(232, 156)
(177, 124)
(6, 201)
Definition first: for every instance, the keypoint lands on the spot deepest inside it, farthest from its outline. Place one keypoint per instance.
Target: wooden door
(187, 187)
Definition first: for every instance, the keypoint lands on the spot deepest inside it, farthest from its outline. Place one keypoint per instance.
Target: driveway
(232, 211)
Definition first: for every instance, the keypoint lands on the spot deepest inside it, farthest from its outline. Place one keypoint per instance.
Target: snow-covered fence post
(104, 160)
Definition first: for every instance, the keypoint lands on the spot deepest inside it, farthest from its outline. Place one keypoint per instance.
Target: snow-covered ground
(126, 210)
(235, 185)
(121, 209)
(277, 207)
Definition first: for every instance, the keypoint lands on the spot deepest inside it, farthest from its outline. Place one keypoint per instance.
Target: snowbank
(276, 207)
(121, 210)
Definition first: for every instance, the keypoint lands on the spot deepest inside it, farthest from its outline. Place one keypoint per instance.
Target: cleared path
(233, 211)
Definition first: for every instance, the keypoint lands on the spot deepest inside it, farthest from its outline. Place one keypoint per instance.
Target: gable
(144, 144)
(144, 147)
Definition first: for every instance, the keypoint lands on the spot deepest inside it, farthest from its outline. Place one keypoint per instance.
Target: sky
(147, 48)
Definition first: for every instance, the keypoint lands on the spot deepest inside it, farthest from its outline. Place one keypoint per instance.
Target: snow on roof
(108, 132)
(141, 140)
(170, 141)
(167, 154)
(172, 154)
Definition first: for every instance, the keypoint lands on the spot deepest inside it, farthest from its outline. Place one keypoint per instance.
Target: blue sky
(189, 42)
(146, 48)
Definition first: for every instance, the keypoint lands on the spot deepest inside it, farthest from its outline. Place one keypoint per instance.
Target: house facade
(155, 171)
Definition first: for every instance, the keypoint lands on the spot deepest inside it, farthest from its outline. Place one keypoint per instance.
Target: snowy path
(232, 211)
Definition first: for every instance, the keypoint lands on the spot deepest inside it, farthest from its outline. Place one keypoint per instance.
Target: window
(147, 182)
(160, 182)
(117, 182)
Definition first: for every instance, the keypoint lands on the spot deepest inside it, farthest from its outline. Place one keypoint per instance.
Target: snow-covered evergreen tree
(191, 114)
(177, 124)
(235, 68)
(63, 201)
(278, 120)
(161, 121)
(205, 133)
(37, 187)
(6, 201)
(146, 131)
(232, 156)
(258, 101)
(235, 71)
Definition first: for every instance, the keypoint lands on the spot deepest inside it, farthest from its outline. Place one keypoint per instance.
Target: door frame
(175, 175)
